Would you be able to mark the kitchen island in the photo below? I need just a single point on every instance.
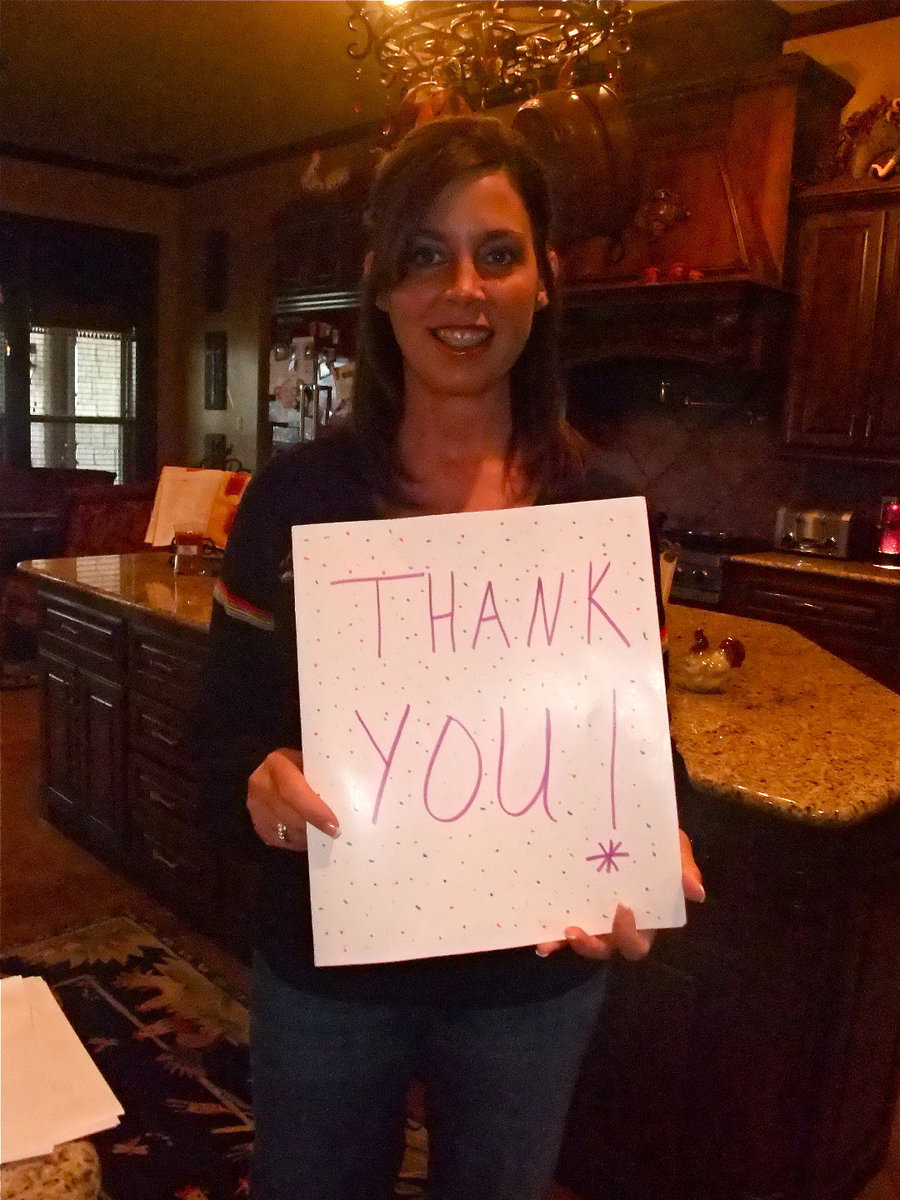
(754, 1055)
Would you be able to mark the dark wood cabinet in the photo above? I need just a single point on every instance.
(61, 757)
(84, 715)
(843, 393)
(754, 1054)
(853, 618)
(119, 688)
(172, 849)
(103, 751)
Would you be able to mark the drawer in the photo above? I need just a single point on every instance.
(858, 609)
(159, 732)
(175, 861)
(165, 667)
(92, 639)
(863, 615)
(154, 790)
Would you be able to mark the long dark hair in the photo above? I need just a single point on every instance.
(407, 184)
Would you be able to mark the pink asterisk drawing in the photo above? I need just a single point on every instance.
(606, 859)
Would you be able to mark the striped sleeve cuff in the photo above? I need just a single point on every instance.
(242, 610)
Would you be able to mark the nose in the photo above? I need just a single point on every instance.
(464, 283)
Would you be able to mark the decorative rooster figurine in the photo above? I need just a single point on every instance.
(706, 670)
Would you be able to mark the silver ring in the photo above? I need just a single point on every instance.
(281, 830)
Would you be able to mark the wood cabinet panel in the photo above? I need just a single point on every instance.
(884, 431)
(84, 765)
(103, 750)
(615, 1147)
(61, 754)
(839, 261)
(843, 393)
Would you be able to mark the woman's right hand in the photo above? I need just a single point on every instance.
(281, 802)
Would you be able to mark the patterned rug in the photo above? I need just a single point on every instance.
(14, 674)
(172, 1044)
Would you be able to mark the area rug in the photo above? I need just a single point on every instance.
(172, 1044)
(14, 674)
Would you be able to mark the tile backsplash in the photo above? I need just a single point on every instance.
(694, 449)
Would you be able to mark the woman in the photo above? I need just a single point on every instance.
(458, 407)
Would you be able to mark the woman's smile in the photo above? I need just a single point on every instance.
(463, 338)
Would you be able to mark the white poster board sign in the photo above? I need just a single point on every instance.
(484, 709)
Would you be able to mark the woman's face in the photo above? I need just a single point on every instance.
(462, 312)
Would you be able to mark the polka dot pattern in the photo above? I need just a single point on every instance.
(484, 708)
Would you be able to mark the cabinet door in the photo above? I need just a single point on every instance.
(883, 422)
(102, 736)
(62, 769)
(838, 281)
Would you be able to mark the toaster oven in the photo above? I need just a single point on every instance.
(824, 531)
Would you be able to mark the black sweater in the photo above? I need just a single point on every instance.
(250, 707)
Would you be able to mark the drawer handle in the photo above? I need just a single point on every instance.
(157, 734)
(73, 630)
(159, 798)
(166, 862)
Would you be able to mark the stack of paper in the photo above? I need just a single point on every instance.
(50, 1089)
(195, 499)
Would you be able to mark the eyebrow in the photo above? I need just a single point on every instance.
(489, 233)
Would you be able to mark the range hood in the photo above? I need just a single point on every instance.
(724, 323)
(698, 273)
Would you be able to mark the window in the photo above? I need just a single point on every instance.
(78, 324)
(81, 398)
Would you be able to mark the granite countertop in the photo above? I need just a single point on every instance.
(811, 564)
(798, 730)
(146, 582)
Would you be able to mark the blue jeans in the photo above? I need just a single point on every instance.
(330, 1080)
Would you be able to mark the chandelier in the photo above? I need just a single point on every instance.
(488, 53)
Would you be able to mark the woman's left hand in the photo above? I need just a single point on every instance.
(632, 943)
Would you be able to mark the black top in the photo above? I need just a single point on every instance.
(250, 707)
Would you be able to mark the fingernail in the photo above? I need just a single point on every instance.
(702, 894)
(541, 952)
(332, 829)
(571, 934)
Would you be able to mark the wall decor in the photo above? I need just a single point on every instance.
(215, 371)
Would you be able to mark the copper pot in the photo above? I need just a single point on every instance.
(586, 145)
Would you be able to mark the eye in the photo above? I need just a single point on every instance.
(502, 255)
(422, 254)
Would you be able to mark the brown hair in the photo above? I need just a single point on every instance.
(407, 184)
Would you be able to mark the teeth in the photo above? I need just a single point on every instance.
(462, 339)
